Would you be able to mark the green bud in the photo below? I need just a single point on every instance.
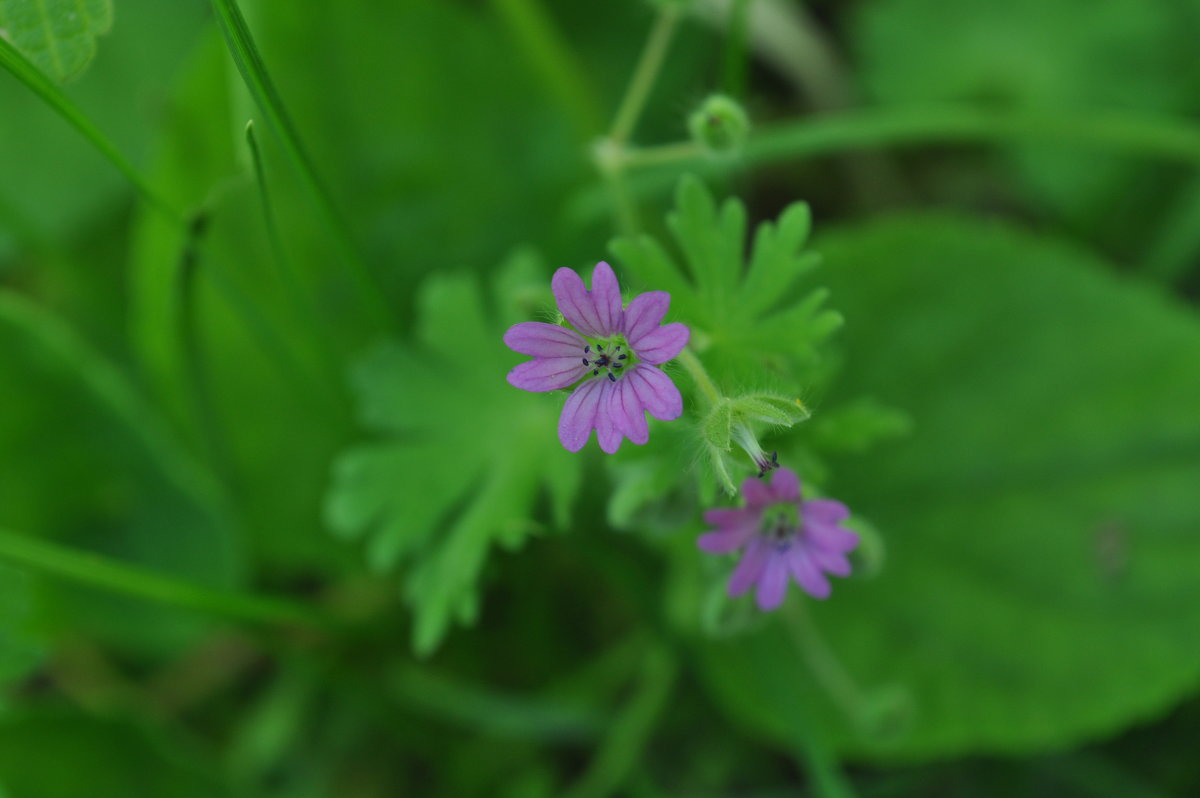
(719, 125)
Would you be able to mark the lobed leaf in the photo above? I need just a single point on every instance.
(58, 36)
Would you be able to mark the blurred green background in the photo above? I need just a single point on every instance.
(273, 524)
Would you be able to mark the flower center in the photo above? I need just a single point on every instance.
(608, 357)
(781, 523)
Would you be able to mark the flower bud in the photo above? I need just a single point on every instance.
(719, 125)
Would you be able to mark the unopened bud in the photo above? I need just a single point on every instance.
(719, 125)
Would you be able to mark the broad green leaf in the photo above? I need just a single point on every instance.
(68, 754)
(59, 36)
(1041, 521)
(464, 455)
(750, 319)
(1062, 57)
(19, 651)
(85, 461)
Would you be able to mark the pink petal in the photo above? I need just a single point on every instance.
(661, 345)
(750, 568)
(724, 540)
(579, 415)
(757, 494)
(655, 392)
(644, 314)
(545, 340)
(807, 573)
(828, 537)
(833, 562)
(773, 585)
(547, 374)
(785, 485)
(628, 413)
(608, 435)
(606, 296)
(575, 302)
(730, 517)
(825, 511)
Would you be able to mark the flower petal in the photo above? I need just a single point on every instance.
(724, 540)
(750, 568)
(773, 585)
(576, 303)
(825, 511)
(785, 485)
(807, 574)
(606, 297)
(644, 314)
(545, 340)
(828, 537)
(757, 494)
(628, 412)
(730, 517)
(579, 415)
(547, 374)
(655, 392)
(608, 434)
(833, 562)
(661, 345)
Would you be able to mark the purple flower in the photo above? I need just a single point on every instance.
(781, 535)
(616, 353)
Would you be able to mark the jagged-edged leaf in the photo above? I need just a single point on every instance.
(1041, 521)
(749, 317)
(463, 456)
(59, 36)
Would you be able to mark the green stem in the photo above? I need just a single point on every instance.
(825, 665)
(25, 72)
(626, 742)
(542, 43)
(254, 74)
(96, 571)
(661, 155)
(644, 75)
(695, 369)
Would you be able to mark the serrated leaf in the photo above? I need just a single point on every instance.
(466, 455)
(1041, 521)
(59, 36)
(745, 317)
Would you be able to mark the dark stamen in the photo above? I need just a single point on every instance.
(612, 377)
(621, 357)
(599, 347)
(585, 362)
(587, 349)
(617, 365)
(595, 372)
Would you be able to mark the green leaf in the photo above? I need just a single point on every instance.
(87, 463)
(466, 455)
(19, 650)
(1066, 57)
(777, 411)
(718, 424)
(1041, 521)
(58, 36)
(747, 319)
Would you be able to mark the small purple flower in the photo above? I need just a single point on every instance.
(781, 535)
(616, 352)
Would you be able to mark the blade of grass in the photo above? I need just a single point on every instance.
(37, 82)
(254, 74)
(95, 571)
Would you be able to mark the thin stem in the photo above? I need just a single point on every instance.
(661, 155)
(254, 74)
(644, 75)
(542, 43)
(626, 742)
(96, 571)
(695, 369)
(825, 665)
(25, 72)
